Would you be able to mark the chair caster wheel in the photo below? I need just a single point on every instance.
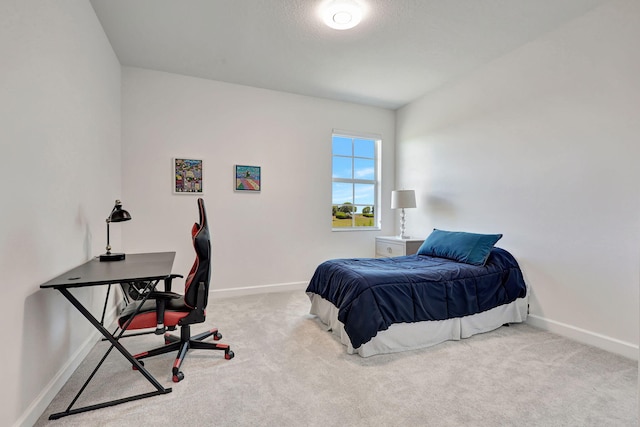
(229, 355)
(217, 336)
(134, 367)
(178, 377)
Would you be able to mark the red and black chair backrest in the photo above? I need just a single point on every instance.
(201, 269)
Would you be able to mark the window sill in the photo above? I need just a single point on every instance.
(341, 229)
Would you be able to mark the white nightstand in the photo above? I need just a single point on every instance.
(388, 246)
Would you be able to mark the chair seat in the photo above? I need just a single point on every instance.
(175, 309)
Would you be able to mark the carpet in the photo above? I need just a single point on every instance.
(289, 371)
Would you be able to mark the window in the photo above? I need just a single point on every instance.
(355, 187)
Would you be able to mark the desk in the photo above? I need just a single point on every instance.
(148, 267)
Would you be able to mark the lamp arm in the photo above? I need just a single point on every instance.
(108, 244)
(115, 208)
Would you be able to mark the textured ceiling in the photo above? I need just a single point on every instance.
(401, 50)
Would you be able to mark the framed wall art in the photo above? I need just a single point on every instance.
(187, 176)
(248, 178)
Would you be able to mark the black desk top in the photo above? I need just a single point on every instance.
(147, 266)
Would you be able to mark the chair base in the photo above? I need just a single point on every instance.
(183, 344)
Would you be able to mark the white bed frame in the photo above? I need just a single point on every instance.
(410, 336)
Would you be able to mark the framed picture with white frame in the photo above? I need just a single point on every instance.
(248, 178)
(187, 176)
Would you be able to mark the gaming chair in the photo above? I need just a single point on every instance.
(167, 309)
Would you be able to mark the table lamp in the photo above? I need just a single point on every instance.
(401, 199)
(117, 215)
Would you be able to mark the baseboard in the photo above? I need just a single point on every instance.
(39, 405)
(603, 342)
(33, 412)
(252, 290)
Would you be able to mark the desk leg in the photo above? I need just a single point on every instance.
(104, 308)
(114, 343)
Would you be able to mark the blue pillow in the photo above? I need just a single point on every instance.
(460, 246)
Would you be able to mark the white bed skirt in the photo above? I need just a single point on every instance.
(410, 336)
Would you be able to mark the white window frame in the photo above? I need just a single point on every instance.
(376, 180)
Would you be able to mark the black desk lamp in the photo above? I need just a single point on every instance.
(117, 215)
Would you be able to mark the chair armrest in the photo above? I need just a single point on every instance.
(163, 295)
(167, 281)
(161, 299)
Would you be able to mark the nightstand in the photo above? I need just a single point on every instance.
(389, 246)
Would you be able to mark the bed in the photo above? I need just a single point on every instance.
(456, 286)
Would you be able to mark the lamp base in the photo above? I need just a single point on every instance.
(112, 257)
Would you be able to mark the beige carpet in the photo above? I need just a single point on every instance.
(288, 371)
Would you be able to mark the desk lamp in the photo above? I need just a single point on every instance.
(401, 199)
(117, 215)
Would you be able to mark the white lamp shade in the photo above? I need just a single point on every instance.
(403, 199)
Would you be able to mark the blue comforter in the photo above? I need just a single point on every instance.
(371, 294)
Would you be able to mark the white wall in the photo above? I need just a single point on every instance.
(274, 237)
(552, 129)
(542, 145)
(60, 136)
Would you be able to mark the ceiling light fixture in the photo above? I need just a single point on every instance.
(342, 14)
